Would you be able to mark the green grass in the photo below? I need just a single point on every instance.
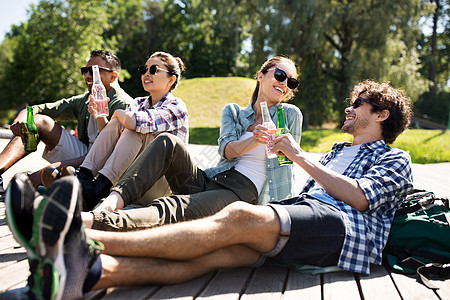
(206, 97)
(424, 146)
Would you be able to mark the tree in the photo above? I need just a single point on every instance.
(50, 49)
(336, 45)
(434, 51)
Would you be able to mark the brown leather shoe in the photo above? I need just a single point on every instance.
(49, 175)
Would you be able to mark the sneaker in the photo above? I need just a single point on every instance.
(21, 201)
(85, 175)
(94, 191)
(66, 254)
(49, 175)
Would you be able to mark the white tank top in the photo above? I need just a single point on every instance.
(253, 164)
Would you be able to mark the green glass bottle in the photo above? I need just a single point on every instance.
(281, 129)
(31, 133)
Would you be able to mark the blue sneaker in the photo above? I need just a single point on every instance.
(66, 255)
(21, 201)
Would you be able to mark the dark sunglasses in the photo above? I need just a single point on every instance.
(84, 70)
(153, 69)
(358, 101)
(281, 76)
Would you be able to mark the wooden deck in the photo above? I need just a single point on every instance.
(244, 283)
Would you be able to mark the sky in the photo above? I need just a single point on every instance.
(13, 12)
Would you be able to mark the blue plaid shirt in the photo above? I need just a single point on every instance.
(384, 175)
(170, 114)
(234, 123)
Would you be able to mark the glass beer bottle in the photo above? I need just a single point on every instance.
(99, 93)
(281, 129)
(31, 133)
(268, 123)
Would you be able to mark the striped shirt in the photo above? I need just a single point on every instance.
(170, 115)
(384, 175)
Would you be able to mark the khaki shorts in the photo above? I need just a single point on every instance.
(68, 147)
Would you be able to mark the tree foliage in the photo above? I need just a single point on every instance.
(335, 44)
(338, 43)
(50, 49)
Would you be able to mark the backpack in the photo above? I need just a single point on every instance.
(419, 240)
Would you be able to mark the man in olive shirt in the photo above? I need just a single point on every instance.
(63, 149)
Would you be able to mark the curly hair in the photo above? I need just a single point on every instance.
(266, 66)
(383, 96)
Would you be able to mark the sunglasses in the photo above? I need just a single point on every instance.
(358, 101)
(281, 76)
(153, 69)
(84, 70)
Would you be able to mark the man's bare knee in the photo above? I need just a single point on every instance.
(49, 131)
(236, 212)
(257, 226)
(44, 122)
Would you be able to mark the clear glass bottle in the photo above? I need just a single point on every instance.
(268, 123)
(99, 93)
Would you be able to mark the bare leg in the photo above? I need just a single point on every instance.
(49, 133)
(256, 227)
(122, 271)
(12, 153)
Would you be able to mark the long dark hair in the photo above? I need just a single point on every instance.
(174, 65)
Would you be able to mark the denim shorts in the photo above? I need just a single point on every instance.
(312, 233)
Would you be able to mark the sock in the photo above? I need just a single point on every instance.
(93, 276)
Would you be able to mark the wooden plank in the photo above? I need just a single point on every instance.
(7, 243)
(378, 285)
(4, 231)
(94, 295)
(302, 286)
(409, 288)
(340, 285)
(13, 275)
(11, 256)
(267, 283)
(131, 292)
(227, 284)
(19, 293)
(444, 288)
(183, 291)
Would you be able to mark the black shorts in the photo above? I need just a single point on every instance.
(312, 232)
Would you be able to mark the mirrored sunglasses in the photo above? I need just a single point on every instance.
(84, 70)
(357, 102)
(281, 76)
(153, 69)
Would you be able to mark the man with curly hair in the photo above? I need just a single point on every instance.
(341, 218)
